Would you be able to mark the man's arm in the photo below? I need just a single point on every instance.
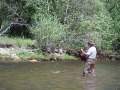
(83, 51)
(86, 53)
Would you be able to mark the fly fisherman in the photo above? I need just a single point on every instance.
(91, 59)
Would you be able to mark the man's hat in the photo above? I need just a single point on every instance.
(91, 42)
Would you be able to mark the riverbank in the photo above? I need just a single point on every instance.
(35, 57)
(32, 57)
(17, 49)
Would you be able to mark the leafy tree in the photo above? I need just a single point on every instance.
(66, 23)
(16, 11)
(83, 18)
(113, 7)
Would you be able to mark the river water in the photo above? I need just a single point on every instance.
(58, 76)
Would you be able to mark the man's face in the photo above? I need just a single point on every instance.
(89, 45)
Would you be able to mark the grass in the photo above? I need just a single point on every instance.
(18, 42)
(42, 56)
(4, 56)
(22, 43)
(31, 55)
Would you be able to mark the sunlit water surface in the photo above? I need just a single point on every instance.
(58, 76)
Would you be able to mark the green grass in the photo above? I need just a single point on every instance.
(42, 56)
(18, 42)
(31, 55)
(4, 56)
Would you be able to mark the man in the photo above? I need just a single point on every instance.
(91, 59)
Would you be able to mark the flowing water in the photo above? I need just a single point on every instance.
(58, 76)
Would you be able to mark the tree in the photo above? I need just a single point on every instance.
(82, 19)
(14, 11)
(113, 7)
(68, 22)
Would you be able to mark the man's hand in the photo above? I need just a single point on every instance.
(82, 50)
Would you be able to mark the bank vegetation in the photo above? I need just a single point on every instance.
(66, 24)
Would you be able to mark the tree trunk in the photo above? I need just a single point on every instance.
(0, 22)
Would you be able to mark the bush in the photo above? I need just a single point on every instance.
(49, 32)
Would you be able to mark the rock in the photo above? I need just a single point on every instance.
(15, 57)
(33, 60)
(4, 51)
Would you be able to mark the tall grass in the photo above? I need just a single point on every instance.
(19, 42)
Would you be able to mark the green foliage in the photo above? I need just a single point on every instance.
(16, 11)
(67, 23)
(49, 32)
(83, 18)
(113, 7)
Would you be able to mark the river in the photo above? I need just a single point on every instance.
(58, 76)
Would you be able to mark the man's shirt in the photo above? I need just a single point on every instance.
(91, 52)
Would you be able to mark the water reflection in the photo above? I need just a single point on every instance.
(90, 83)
